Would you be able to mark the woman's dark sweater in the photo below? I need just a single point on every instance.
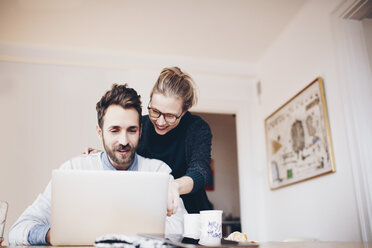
(187, 151)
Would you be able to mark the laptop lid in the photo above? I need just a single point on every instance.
(88, 204)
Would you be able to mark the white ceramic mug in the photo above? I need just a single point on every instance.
(211, 224)
(191, 226)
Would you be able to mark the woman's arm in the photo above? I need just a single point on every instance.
(198, 156)
(32, 226)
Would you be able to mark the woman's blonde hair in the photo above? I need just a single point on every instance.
(174, 82)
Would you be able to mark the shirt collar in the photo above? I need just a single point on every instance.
(108, 166)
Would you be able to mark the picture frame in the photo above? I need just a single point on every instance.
(298, 138)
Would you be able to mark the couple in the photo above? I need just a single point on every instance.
(169, 133)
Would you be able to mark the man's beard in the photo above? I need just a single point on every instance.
(123, 161)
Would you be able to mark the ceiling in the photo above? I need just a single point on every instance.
(239, 30)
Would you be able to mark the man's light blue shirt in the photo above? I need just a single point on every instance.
(37, 234)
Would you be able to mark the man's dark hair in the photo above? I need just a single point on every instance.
(119, 95)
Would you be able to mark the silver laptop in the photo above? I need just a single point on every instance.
(88, 204)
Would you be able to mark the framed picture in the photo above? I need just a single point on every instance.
(298, 138)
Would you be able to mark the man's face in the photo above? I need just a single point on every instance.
(120, 134)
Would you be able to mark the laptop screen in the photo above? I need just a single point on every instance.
(88, 204)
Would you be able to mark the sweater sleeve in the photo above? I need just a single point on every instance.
(32, 226)
(198, 153)
(37, 235)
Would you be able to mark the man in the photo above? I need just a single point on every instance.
(119, 128)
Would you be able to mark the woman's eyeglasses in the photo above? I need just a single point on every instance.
(170, 118)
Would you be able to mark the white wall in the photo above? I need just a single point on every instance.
(355, 83)
(196, 28)
(325, 207)
(367, 28)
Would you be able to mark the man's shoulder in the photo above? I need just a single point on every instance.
(84, 162)
(150, 164)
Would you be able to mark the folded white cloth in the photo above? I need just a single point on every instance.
(123, 241)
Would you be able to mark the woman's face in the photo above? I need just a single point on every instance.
(165, 105)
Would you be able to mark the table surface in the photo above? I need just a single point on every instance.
(315, 244)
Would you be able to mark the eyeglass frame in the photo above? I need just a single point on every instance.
(163, 114)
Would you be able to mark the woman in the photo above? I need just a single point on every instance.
(172, 134)
(182, 140)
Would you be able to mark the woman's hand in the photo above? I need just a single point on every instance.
(180, 186)
(90, 150)
(173, 197)
(185, 184)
